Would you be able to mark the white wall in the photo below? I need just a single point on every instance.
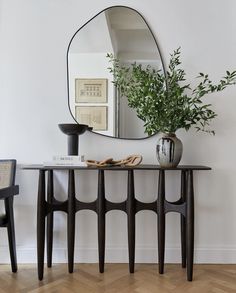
(34, 36)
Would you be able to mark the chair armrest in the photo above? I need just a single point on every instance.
(9, 191)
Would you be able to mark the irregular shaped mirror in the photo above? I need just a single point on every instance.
(93, 98)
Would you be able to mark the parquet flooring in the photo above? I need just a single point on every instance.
(87, 279)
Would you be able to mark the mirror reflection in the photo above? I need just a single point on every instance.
(93, 98)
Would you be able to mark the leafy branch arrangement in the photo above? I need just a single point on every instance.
(164, 102)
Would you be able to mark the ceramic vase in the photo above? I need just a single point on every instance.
(169, 150)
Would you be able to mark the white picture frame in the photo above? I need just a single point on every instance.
(90, 90)
(93, 116)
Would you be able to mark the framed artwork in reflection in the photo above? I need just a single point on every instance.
(90, 90)
(94, 116)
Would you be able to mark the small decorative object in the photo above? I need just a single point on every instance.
(90, 90)
(130, 161)
(165, 103)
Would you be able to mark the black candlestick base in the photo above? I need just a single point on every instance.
(73, 131)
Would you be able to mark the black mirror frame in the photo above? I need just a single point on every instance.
(67, 63)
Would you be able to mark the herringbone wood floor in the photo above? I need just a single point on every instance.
(86, 279)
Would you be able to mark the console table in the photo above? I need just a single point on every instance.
(47, 206)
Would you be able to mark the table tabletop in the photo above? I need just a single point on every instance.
(115, 168)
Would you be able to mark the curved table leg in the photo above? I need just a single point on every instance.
(183, 220)
(161, 220)
(41, 213)
(101, 219)
(71, 221)
(190, 224)
(131, 220)
(50, 219)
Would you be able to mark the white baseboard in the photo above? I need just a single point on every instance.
(226, 255)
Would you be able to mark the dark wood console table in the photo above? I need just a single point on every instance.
(184, 206)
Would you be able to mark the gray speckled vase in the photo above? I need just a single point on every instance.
(169, 150)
